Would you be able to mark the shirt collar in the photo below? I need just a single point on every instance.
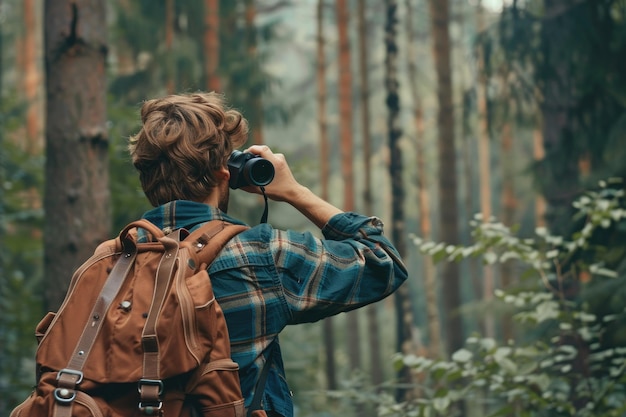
(185, 214)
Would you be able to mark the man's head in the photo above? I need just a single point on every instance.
(184, 144)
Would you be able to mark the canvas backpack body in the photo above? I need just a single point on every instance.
(139, 333)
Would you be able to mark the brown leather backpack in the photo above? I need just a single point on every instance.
(139, 333)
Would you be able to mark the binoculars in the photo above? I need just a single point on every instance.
(249, 169)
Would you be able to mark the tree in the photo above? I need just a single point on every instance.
(170, 22)
(439, 13)
(484, 159)
(31, 77)
(373, 331)
(402, 301)
(423, 183)
(347, 152)
(212, 44)
(328, 336)
(77, 187)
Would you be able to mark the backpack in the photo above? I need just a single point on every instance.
(139, 333)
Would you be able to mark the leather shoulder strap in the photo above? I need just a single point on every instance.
(209, 239)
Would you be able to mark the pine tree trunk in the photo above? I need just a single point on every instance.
(327, 329)
(212, 44)
(170, 21)
(77, 178)
(484, 163)
(423, 193)
(31, 79)
(439, 12)
(373, 333)
(509, 207)
(256, 92)
(538, 155)
(402, 301)
(345, 133)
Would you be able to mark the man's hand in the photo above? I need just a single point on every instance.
(284, 187)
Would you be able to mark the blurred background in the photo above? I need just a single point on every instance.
(488, 135)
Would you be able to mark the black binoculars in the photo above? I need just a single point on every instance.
(249, 169)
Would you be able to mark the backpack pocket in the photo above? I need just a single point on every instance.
(46, 406)
(44, 325)
(225, 402)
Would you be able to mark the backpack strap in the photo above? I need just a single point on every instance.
(71, 376)
(209, 239)
(151, 385)
(259, 388)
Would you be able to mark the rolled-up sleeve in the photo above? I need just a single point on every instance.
(354, 265)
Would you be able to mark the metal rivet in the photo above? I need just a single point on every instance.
(96, 316)
(81, 353)
(127, 255)
(199, 244)
(169, 255)
(64, 393)
(125, 305)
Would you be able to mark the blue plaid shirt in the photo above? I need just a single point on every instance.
(266, 279)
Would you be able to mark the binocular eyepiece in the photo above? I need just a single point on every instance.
(249, 169)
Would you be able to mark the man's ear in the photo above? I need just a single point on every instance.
(222, 174)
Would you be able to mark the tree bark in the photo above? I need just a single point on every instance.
(31, 79)
(170, 21)
(373, 333)
(328, 335)
(402, 301)
(345, 132)
(538, 155)
(77, 178)
(439, 12)
(484, 163)
(212, 44)
(256, 90)
(423, 193)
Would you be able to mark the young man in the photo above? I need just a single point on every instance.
(265, 278)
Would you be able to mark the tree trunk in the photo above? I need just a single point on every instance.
(31, 79)
(423, 194)
(328, 335)
(439, 12)
(345, 132)
(509, 207)
(77, 178)
(212, 44)
(484, 162)
(256, 90)
(538, 155)
(170, 21)
(402, 300)
(373, 334)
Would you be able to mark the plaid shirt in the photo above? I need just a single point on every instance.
(266, 279)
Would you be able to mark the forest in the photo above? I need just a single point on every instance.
(488, 135)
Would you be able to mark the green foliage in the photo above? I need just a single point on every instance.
(21, 266)
(565, 59)
(570, 357)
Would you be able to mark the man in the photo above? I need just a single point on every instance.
(264, 279)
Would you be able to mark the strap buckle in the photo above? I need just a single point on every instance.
(79, 374)
(150, 408)
(152, 382)
(64, 395)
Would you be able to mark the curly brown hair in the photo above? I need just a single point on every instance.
(184, 139)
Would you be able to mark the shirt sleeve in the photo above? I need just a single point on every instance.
(354, 265)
